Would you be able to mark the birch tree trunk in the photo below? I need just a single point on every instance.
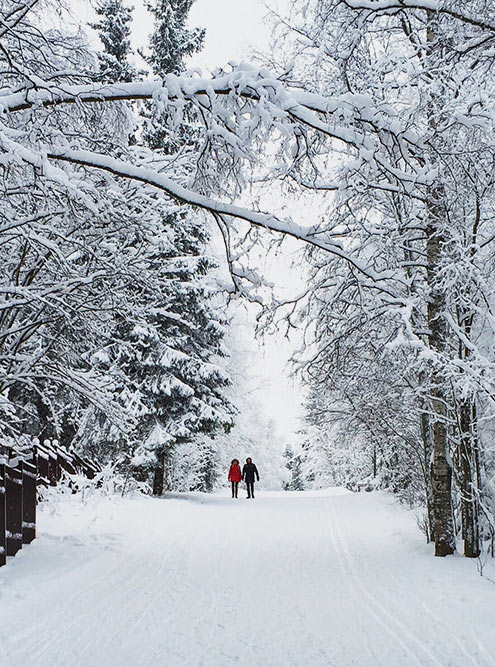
(441, 469)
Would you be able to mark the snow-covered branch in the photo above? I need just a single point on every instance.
(434, 6)
(312, 235)
(262, 88)
(15, 15)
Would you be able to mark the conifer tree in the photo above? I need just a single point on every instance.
(162, 354)
(171, 43)
(114, 31)
(177, 348)
(294, 466)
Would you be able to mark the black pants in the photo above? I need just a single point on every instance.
(250, 489)
(234, 489)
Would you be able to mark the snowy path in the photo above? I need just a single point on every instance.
(204, 581)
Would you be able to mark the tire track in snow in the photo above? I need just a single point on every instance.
(380, 613)
(269, 557)
(163, 593)
(288, 557)
(110, 597)
(246, 562)
(148, 578)
(29, 637)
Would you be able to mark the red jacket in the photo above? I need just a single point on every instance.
(235, 474)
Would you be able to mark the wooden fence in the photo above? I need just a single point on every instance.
(21, 473)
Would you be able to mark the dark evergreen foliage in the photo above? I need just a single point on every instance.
(294, 465)
(114, 32)
(171, 42)
(164, 345)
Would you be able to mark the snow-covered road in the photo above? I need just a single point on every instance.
(304, 579)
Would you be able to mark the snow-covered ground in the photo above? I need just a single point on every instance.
(195, 580)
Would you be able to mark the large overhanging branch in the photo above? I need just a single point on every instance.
(53, 95)
(251, 84)
(306, 109)
(297, 108)
(435, 6)
(312, 235)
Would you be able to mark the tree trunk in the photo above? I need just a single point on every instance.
(441, 470)
(468, 460)
(469, 473)
(159, 474)
(427, 452)
(441, 482)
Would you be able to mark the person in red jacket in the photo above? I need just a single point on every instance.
(235, 476)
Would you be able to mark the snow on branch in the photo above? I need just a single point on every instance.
(311, 235)
(234, 105)
(15, 16)
(394, 6)
(275, 103)
(53, 95)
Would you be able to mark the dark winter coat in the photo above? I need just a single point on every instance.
(249, 470)
(235, 474)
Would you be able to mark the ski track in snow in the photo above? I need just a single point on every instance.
(392, 626)
(322, 579)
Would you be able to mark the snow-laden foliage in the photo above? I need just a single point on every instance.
(172, 42)
(206, 464)
(114, 30)
(164, 353)
(407, 368)
(384, 111)
(110, 333)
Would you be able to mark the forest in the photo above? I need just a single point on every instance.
(138, 195)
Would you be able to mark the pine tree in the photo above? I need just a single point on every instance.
(177, 349)
(114, 32)
(170, 44)
(294, 466)
(197, 331)
(161, 354)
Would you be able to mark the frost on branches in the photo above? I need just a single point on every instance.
(408, 371)
(117, 341)
(383, 111)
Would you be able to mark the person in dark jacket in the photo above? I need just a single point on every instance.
(235, 476)
(249, 470)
